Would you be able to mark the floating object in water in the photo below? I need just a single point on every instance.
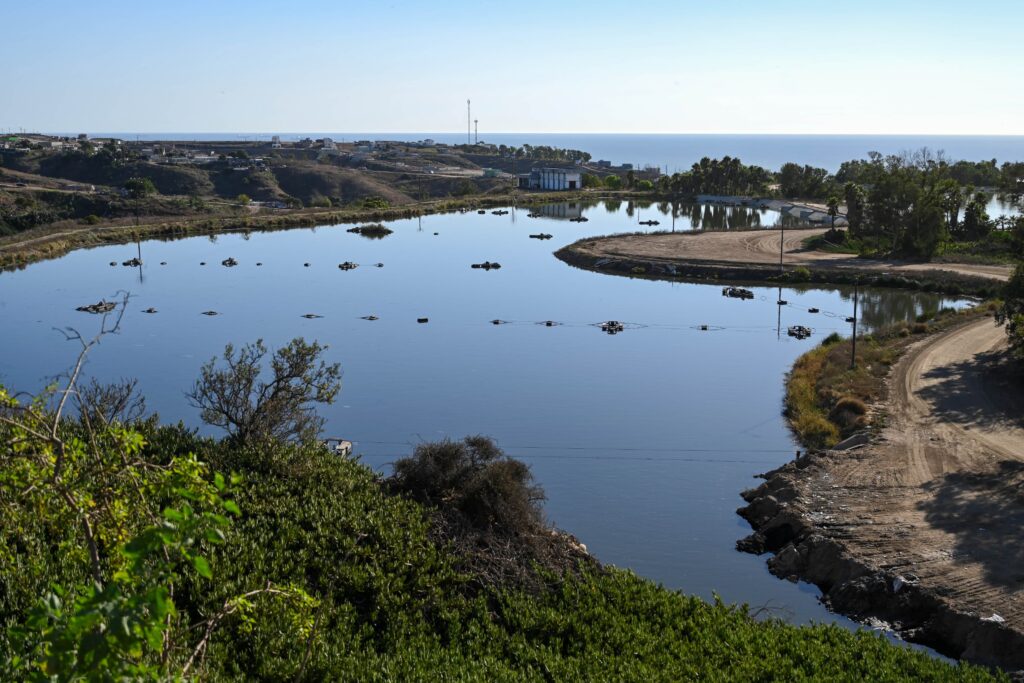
(851, 319)
(799, 331)
(311, 315)
(305, 265)
(486, 265)
(533, 215)
(113, 263)
(378, 265)
(132, 262)
(202, 263)
(348, 265)
(650, 222)
(541, 236)
(499, 212)
(737, 293)
(436, 234)
(498, 321)
(210, 313)
(579, 219)
(481, 211)
(230, 262)
(258, 263)
(703, 328)
(101, 306)
(370, 317)
(783, 302)
(612, 327)
(812, 310)
(422, 320)
(548, 323)
(163, 263)
(150, 310)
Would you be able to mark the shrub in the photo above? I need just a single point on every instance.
(475, 479)
(919, 328)
(800, 274)
(831, 339)
(92, 219)
(849, 414)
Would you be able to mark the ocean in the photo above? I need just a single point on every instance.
(673, 153)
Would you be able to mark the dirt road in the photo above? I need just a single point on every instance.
(939, 495)
(760, 247)
(935, 500)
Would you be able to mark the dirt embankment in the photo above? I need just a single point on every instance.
(920, 526)
(754, 255)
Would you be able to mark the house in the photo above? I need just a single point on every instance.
(552, 179)
(275, 142)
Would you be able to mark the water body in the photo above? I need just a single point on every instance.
(673, 153)
(642, 440)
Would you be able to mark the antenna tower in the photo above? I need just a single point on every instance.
(476, 132)
(469, 122)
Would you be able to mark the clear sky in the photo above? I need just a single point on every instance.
(726, 66)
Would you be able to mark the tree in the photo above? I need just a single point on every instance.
(591, 180)
(249, 409)
(833, 208)
(855, 200)
(243, 199)
(976, 221)
(1011, 314)
(613, 182)
(630, 179)
(137, 188)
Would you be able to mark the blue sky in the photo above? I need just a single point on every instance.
(626, 67)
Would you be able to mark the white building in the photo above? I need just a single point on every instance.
(553, 179)
(275, 142)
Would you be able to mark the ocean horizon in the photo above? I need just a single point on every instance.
(674, 152)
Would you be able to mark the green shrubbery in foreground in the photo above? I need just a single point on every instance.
(161, 555)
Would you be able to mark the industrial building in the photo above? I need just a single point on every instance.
(552, 179)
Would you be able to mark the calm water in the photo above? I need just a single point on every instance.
(674, 153)
(642, 440)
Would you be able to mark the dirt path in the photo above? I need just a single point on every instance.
(939, 495)
(935, 500)
(758, 247)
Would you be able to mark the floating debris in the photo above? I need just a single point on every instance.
(579, 219)
(499, 212)
(113, 263)
(799, 331)
(498, 321)
(163, 263)
(150, 310)
(230, 262)
(486, 265)
(783, 302)
(311, 316)
(436, 234)
(650, 222)
(851, 319)
(370, 317)
(348, 265)
(549, 323)
(378, 265)
(258, 263)
(305, 265)
(373, 231)
(101, 306)
(423, 320)
(737, 293)
(482, 211)
(703, 328)
(813, 310)
(541, 236)
(202, 263)
(612, 326)
(132, 263)
(533, 215)
(210, 313)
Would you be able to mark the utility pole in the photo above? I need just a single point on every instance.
(782, 242)
(853, 344)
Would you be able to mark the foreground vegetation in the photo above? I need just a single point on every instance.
(135, 550)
